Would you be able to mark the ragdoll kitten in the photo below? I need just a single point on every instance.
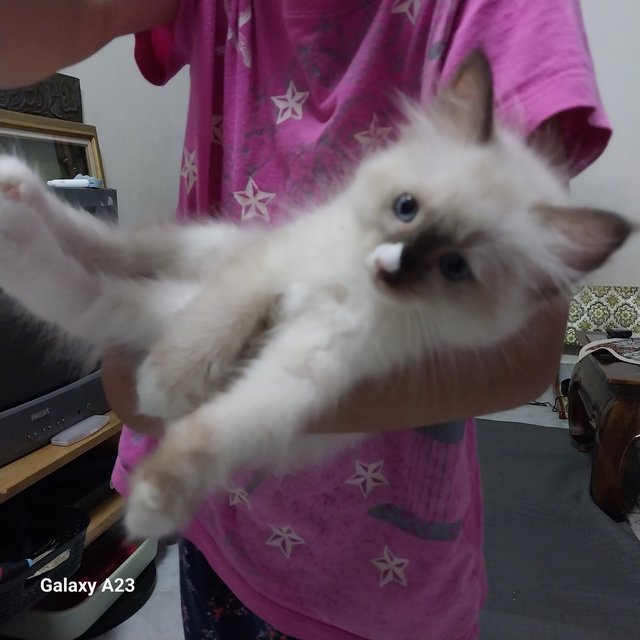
(451, 237)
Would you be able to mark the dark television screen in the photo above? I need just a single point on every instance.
(30, 364)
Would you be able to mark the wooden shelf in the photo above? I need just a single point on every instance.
(104, 516)
(26, 471)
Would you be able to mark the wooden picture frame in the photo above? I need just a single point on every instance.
(55, 148)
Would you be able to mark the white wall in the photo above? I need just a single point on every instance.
(140, 129)
(613, 27)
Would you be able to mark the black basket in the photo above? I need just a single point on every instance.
(65, 529)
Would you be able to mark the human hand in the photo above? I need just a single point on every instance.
(40, 37)
(119, 383)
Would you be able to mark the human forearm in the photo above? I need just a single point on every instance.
(38, 37)
(119, 380)
(458, 386)
(437, 391)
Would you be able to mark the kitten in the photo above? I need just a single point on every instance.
(451, 237)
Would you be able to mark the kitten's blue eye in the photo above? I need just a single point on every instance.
(406, 207)
(454, 267)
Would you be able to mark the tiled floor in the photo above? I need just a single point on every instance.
(544, 416)
(160, 618)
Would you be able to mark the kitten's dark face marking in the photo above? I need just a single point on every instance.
(417, 254)
(427, 254)
(454, 267)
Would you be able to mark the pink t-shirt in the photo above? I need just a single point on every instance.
(384, 542)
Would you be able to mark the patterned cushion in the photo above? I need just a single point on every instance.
(595, 308)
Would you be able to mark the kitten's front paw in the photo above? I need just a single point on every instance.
(170, 484)
(159, 504)
(145, 516)
(20, 184)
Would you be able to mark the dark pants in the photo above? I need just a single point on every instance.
(209, 610)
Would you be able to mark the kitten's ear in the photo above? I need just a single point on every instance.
(594, 234)
(467, 102)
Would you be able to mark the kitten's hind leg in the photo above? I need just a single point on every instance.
(20, 184)
(155, 250)
(99, 310)
(203, 349)
(302, 371)
(97, 245)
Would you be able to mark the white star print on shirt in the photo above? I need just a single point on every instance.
(285, 539)
(409, 7)
(253, 201)
(235, 35)
(367, 476)
(189, 169)
(238, 496)
(391, 568)
(290, 104)
(374, 137)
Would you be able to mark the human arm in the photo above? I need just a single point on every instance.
(460, 385)
(439, 390)
(39, 37)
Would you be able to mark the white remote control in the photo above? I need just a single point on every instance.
(79, 431)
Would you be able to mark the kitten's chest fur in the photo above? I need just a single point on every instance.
(314, 272)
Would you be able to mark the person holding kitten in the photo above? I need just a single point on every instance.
(386, 540)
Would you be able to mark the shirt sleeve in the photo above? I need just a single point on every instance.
(542, 68)
(161, 52)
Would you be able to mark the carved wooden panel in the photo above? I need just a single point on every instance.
(55, 97)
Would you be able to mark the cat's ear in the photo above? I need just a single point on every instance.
(593, 234)
(467, 102)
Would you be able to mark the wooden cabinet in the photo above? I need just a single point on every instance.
(604, 417)
(27, 471)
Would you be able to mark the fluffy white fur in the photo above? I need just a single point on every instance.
(249, 333)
